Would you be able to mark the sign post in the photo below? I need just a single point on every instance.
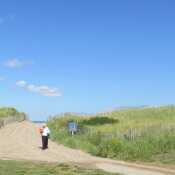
(72, 127)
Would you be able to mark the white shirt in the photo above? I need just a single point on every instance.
(46, 131)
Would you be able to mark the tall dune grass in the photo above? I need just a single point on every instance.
(10, 115)
(9, 112)
(134, 134)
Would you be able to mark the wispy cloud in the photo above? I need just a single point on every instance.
(43, 90)
(11, 16)
(15, 63)
(2, 78)
(7, 18)
(1, 20)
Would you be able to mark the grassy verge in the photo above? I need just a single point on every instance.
(10, 112)
(28, 168)
(146, 135)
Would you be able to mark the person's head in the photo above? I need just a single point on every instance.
(44, 125)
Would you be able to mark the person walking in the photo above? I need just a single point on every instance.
(45, 133)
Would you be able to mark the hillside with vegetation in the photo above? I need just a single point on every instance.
(9, 115)
(146, 134)
(10, 112)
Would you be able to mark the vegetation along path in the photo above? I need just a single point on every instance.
(21, 141)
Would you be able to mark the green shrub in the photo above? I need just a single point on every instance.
(10, 112)
(109, 148)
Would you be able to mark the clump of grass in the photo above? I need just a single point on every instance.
(133, 134)
(10, 112)
(29, 168)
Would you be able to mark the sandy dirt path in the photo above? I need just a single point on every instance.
(21, 141)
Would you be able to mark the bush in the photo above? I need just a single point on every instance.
(109, 148)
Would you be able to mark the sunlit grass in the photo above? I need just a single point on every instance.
(9, 112)
(29, 168)
(133, 134)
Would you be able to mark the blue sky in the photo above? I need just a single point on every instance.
(86, 56)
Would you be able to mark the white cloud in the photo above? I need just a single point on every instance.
(42, 89)
(15, 63)
(21, 83)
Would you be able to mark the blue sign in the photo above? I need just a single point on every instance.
(72, 126)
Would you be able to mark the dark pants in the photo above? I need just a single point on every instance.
(44, 142)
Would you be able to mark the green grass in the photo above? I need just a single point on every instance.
(28, 168)
(10, 112)
(146, 134)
